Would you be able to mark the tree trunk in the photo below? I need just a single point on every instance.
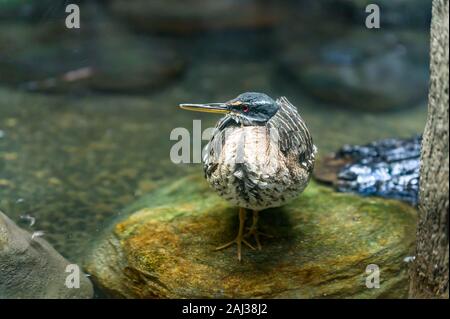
(429, 273)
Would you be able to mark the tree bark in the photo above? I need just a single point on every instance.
(429, 273)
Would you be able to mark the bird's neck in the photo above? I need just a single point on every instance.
(237, 120)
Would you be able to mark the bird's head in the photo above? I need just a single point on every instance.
(250, 108)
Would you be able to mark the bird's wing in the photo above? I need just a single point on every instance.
(211, 151)
(293, 134)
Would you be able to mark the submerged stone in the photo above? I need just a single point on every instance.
(387, 168)
(163, 247)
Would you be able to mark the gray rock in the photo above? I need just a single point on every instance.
(430, 271)
(31, 268)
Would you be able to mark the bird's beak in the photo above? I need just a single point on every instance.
(221, 108)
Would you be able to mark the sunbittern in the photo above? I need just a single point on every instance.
(260, 155)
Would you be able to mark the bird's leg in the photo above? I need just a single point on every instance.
(240, 236)
(253, 230)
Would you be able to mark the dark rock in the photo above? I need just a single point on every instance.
(183, 17)
(398, 13)
(32, 10)
(163, 247)
(387, 168)
(98, 56)
(328, 168)
(359, 68)
(215, 77)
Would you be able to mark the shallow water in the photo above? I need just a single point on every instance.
(74, 161)
(74, 164)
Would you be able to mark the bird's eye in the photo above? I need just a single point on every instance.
(245, 109)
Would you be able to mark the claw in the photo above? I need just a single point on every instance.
(248, 244)
(238, 241)
(253, 231)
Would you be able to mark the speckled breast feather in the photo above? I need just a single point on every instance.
(258, 167)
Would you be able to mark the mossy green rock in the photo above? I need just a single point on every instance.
(321, 245)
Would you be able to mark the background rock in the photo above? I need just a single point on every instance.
(183, 17)
(31, 268)
(322, 244)
(393, 13)
(359, 68)
(99, 56)
(32, 10)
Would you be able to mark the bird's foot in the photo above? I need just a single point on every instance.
(253, 231)
(238, 241)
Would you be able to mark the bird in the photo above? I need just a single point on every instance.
(260, 155)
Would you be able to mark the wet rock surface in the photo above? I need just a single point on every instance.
(359, 68)
(31, 268)
(387, 168)
(163, 247)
